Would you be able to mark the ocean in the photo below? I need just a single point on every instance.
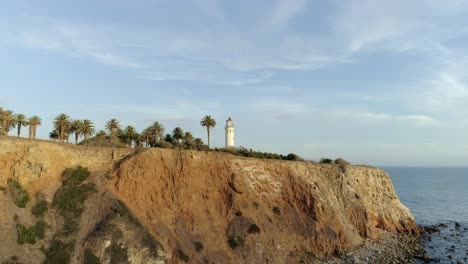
(437, 196)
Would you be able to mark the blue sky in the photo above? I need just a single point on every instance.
(373, 81)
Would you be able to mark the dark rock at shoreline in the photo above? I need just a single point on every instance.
(457, 225)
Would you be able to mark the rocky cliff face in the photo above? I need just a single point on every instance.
(158, 205)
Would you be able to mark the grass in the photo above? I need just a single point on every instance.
(3, 189)
(30, 235)
(58, 252)
(69, 199)
(39, 209)
(19, 194)
(235, 242)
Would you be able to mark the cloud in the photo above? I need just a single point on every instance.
(387, 118)
(283, 11)
(398, 25)
(77, 41)
(171, 52)
(279, 109)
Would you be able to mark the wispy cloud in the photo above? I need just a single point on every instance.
(279, 109)
(75, 41)
(369, 116)
(283, 11)
(398, 25)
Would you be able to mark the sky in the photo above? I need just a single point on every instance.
(373, 81)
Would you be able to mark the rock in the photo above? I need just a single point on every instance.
(457, 225)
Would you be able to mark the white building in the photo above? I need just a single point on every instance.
(230, 133)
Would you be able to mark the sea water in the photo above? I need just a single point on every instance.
(437, 196)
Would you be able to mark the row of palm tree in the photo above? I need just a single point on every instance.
(9, 120)
(64, 127)
(153, 135)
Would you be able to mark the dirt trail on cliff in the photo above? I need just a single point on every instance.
(206, 206)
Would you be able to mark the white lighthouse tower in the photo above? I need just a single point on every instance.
(229, 133)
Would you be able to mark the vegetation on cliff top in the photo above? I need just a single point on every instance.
(117, 136)
(152, 136)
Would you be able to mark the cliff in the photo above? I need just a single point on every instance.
(188, 206)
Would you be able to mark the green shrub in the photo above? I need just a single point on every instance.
(69, 199)
(20, 196)
(39, 208)
(69, 202)
(341, 161)
(32, 234)
(326, 161)
(253, 229)
(25, 235)
(258, 154)
(198, 246)
(293, 157)
(3, 189)
(90, 258)
(235, 242)
(58, 252)
(75, 176)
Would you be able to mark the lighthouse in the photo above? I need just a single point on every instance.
(229, 133)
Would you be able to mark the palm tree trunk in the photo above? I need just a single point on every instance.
(86, 136)
(30, 131)
(76, 138)
(62, 132)
(208, 129)
(34, 132)
(19, 130)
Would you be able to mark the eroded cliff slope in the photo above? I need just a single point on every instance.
(188, 206)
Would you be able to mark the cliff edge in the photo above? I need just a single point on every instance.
(198, 206)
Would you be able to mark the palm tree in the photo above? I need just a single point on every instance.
(178, 134)
(20, 122)
(34, 122)
(157, 130)
(145, 136)
(199, 145)
(129, 134)
(113, 126)
(63, 124)
(8, 121)
(87, 129)
(208, 122)
(54, 135)
(77, 128)
(188, 140)
(101, 134)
